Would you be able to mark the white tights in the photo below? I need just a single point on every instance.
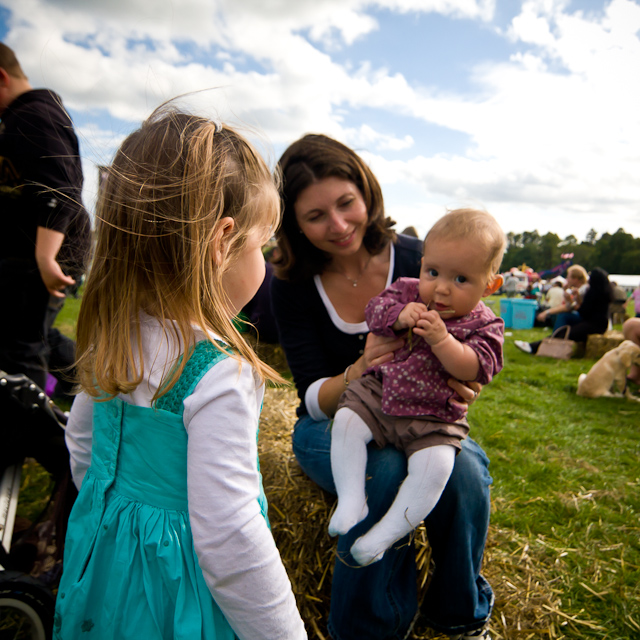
(428, 472)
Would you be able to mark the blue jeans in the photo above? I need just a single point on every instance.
(567, 318)
(379, 602)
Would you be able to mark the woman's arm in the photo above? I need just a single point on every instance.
(299, 335)
(236, 551)
(377, 350)
(561, 308)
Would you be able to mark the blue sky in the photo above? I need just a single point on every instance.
(529, 109)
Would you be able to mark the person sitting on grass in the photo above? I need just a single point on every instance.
(554, 297)
(574, 290)
(592, 315)
(407, 402)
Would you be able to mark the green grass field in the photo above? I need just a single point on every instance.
(566, 488)
(564, 544)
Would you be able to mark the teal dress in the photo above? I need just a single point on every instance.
(130, 569)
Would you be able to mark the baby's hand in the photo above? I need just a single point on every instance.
(409, 316)
(431, 328)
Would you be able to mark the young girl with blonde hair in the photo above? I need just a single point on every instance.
(169, 536)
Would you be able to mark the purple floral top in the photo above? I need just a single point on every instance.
(414, 383)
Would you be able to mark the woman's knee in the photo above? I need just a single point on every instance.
(311, 444)
(470, 479)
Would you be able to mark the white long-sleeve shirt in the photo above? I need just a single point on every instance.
(236, 551)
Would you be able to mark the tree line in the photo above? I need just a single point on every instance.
(615, 253)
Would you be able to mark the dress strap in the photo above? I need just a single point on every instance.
(204, 356)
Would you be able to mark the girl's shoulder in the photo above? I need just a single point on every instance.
(204, 356)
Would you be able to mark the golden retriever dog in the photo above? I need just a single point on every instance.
(609, 372)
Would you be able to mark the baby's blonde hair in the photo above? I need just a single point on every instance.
(473, 224)
(171, 181)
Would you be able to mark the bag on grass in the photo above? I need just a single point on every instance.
(560, 348)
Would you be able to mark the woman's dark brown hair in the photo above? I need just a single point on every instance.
(309, 160)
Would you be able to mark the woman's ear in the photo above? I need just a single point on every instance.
(493, 286)
(220, 241)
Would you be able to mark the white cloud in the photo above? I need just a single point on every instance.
(554, 128)
(481, 9)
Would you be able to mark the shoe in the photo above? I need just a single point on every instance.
(523, 346)
(476, 634)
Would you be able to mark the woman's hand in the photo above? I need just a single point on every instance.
(377, 350)
(542, 316)
(468, 391)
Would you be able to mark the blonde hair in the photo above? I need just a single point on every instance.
(170, 183)
(477, 225)
(578, 272)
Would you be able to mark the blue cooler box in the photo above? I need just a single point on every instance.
(524, 313)
(506, 312)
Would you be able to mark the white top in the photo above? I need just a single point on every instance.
(236, 551)
(555, 297)
(311, 399)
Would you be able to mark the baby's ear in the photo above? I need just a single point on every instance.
(493, 286)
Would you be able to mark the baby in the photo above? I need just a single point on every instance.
(407, 402)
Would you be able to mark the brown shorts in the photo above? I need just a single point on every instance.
(406, 433)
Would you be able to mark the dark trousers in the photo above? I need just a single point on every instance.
(28, 342)
(26, 317)
(23, 321)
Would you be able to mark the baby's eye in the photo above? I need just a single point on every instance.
(460, 279)
(433, 273)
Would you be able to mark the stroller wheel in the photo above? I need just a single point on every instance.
(26, 608)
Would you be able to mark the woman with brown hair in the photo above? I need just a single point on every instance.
(338, 251)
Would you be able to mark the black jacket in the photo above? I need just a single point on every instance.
(41, 180)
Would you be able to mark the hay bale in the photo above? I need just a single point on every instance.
(598, 345)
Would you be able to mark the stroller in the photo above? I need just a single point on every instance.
(32, 426)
